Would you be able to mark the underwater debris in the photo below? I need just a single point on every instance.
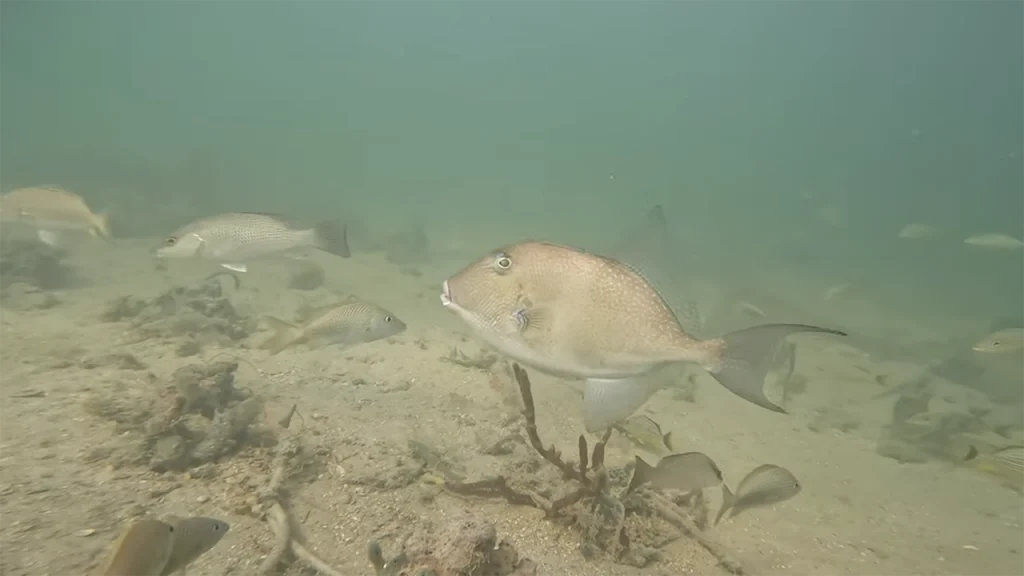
(465, 546)
(198, 418)
(287, 532)
(627, 527)
(200, 315)
(483, 361)
(39, 265)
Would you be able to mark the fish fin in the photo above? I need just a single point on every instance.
(641, 474)
(235, 267)
(607, 402)
(101, 226)
(531, 319)
(667, 439)
(48, 237)
(332, 237)
(728, 499)
(744, 359)
(285, 334)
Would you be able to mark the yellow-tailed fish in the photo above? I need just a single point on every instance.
(573, 314)
(1006, 464)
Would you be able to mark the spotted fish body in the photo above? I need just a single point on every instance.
(51, 209)
(347, 324)
(574, 314)
(235, 238)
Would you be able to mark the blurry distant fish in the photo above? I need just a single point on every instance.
(50, 209)
(143, 549)
(765, 485)
(574, 314)
(749, 309)
(995, 241)
(683, 472)
(837, 290)
(348, 324)
(648, 248)
(917, 231)
(193, 537)
(235, 238)
(1008, 340)
(646, 433)
(1006, 464)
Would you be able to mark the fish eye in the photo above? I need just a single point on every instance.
(387, 318)
(502, 263)
(171, 241)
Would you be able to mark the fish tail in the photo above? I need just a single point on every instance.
(728, 499)
(332, 237)
(101, 226)
(285, 334)
(641, 472)
(743, 358)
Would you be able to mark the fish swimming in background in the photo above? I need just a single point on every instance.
(1001, 341)
(647, 247)
(1006, 464)
(143, 549)
(917, 231)
(193, 537)
(683, 472)
(577, 315)
(348, 324)
(646, 433)
(995, 241)
(765, 485)
(50, 210)
(235, 238)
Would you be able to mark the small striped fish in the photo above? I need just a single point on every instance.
(1006, 464)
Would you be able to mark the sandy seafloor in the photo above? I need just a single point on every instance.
(858, 513)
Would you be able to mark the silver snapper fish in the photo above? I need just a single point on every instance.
(577, 315)
(349, 323)
(235, 238)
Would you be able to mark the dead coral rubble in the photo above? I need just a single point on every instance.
(34, 263)
(198, 315)
(627, 527)
(197, 418)
(466, 546)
